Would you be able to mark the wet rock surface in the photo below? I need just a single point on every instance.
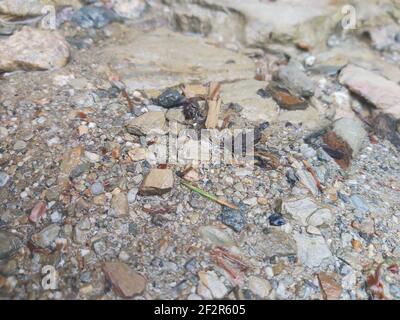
(84, 113)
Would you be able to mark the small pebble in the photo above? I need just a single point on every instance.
(276, 220)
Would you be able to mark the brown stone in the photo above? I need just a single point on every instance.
(126, 282)
(331, 290)
(338, 149)
(157, 182)
(70, 160)
(285, 99)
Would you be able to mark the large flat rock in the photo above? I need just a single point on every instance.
(381, 92)
(32, 7)
(33, 49)
(256, 22)
(163, 58)
(255, 108)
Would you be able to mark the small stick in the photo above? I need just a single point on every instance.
(311, 170)
(130, 103)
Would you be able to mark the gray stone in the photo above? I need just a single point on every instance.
(148, 123)
(384, 38)
(9, 244)
(82, 231)
(79, 170)
(258, 23)
(296, 79)
(312, 250)
(133, 229)
(56, 217)
(4, 177)
(307, 212)
(20, 145)
(130, 9)
(46, 236)
(100, 247)
(93, 17)
(216, 236)
(260, 287)
(210, 280)
(359, 203)
(278, 243)
(97, 188)
(3, 132)
(132, 194)
(191, 265)
(84, 224)
(175, 115)
(86, 277)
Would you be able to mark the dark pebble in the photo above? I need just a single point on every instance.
(291, 177)
(397, 37)
(191, 265)
(170, 98)
(276, 220)
(343, 197)
(292, 259)
(367, 237)
(159, 221)
(334, 153)
(259, 130)
(93, 17)
(79, 170)
(113, 92)
(234, 219)
(80, 43)
(247, 294)
(86, 277)
(263, 93)
(157, 262)
(133, 229)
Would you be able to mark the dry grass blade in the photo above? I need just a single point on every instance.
(128, 99)
(209, 196)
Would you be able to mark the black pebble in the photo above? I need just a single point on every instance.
(170, 98)
(263, 93)
(276, 220)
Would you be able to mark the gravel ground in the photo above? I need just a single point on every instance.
(316, 217)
